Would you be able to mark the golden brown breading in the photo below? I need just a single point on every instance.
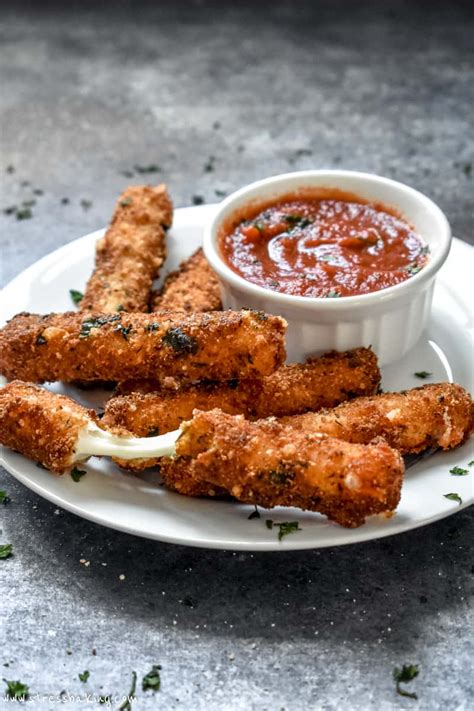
(72, 346)
(41, 425)
(193, 287)
(270, 464)
(292, 389)
(131, 253)
(439, 415)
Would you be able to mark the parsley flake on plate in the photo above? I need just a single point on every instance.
(152, 680)
(77, 474)
(6, 551)
(453, 497)
(407, 673)
(127, 704)
(458, 471)
(16, 690)
(4, 498)
(255, 514)
(84, 676)
(76, 296)
(423, 374)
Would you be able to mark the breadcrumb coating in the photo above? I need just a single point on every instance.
(270, 464)
(193, 288)
(41, 425)
(435, 415)
(73, 346)
(292, 389)
(129, 256)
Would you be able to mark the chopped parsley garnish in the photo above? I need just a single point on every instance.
(84, 676)
(467, 169)
(4, 498)
(40, 340)
(126, 202)
(120, 308)
(65, 201)
(286, 528)
(95, 322)
(333, 294)
(403, 676)
(152, 680)
(180, 342)
(77, 474)
(220, 193)
(6, 551)
(151, 168)
(127, 704)
(23, 213)
(275, 284)
(423, 374)
(255, 514)
(38, 191)
(453, 497)
(458, 471)
(124, 330)
(152, 327)
(16, 690)
(471, 463)
(86, 204)
(283, 474)
(297, 220)
(76, 296)
(197, 199)
(413, 269)
(209, 166)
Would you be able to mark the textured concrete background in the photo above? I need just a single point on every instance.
(249, 89)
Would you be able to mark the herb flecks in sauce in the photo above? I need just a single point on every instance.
(320, 247)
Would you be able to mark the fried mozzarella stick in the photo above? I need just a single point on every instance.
(292, 389)
(439, 415)
(192, 288)
(58, 433)
(270, 464)
(131, 253)
(72, 346)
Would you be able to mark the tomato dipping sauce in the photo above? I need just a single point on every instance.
(327, 244)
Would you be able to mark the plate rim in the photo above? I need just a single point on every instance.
(263, 546)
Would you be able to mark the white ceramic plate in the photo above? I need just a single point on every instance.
(141, 506)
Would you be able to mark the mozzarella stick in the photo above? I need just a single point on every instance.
(58, 433)
(72, 346)
(292, 389)
(270, 464)
(439, 415)
(131, 253)
(192, 288)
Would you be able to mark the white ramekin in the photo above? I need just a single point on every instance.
(390, 320)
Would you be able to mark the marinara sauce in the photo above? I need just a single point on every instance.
(330, 245)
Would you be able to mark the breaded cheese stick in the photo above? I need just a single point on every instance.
(58, 432)
(42, 425)
(438, 415)
(131, 253)
(270, 464)
(72, 346)
(193, 287)
(321, 382)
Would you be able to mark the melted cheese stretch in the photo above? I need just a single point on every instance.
(92, 441)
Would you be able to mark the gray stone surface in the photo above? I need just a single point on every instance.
(89, 91)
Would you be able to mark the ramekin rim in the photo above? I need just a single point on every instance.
(212, 253)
